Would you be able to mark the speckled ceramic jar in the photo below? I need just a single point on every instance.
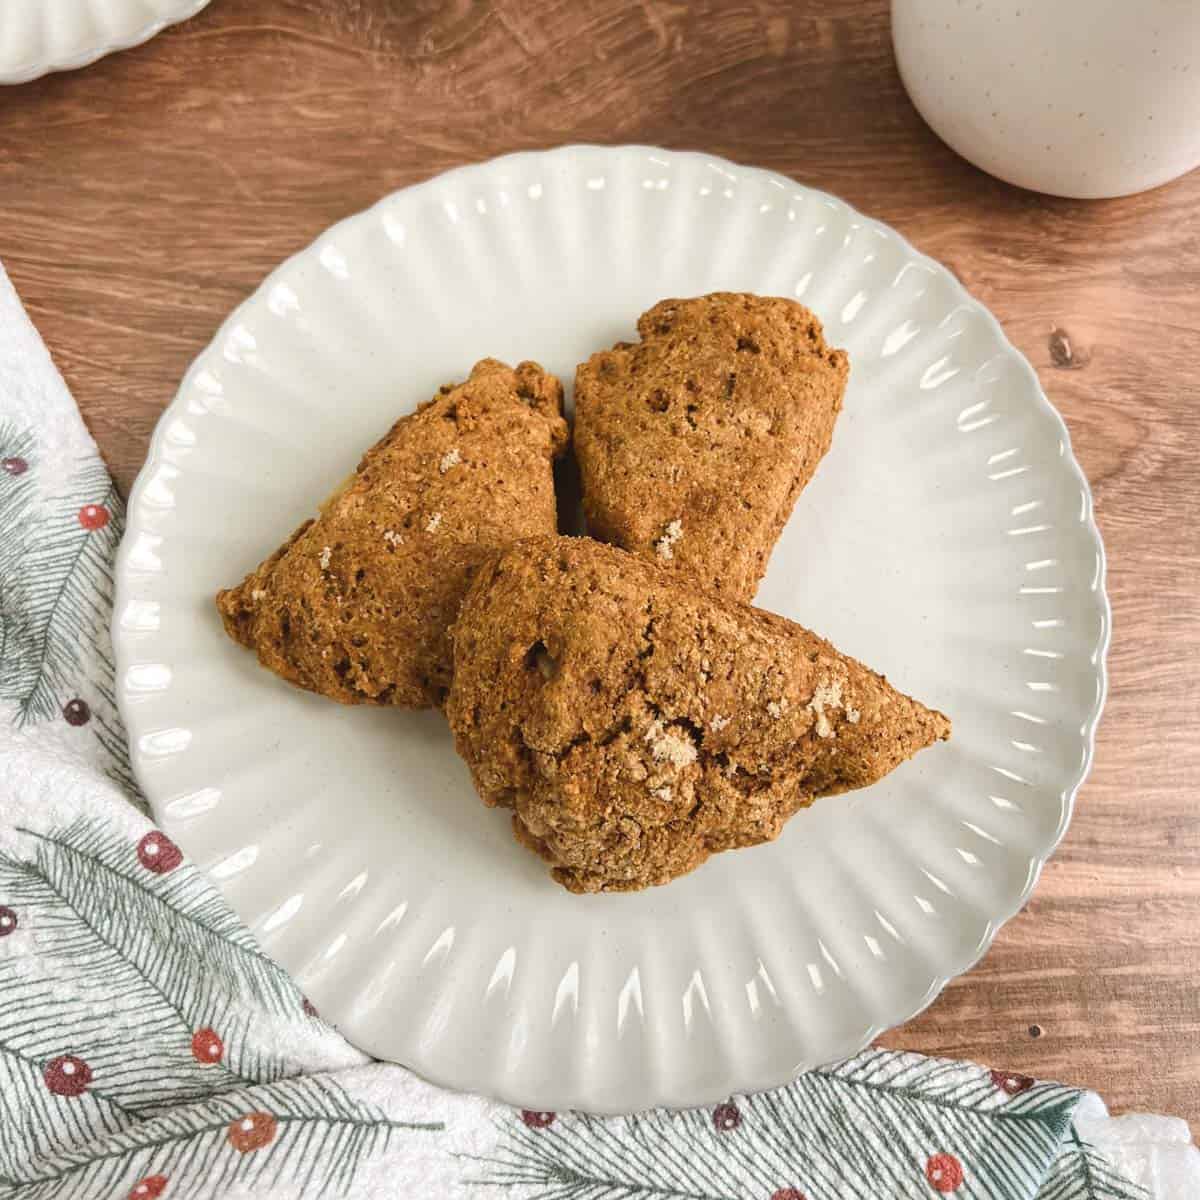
(1085, 98)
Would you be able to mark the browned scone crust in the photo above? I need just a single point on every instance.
(694, 443)
(636, 726)
(357, 604)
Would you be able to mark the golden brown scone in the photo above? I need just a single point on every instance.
(694, 443)
(636, 726)
(357, 604)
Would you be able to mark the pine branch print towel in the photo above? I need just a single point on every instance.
(148, 1047)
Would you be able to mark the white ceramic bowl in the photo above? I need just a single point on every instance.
(947, 540)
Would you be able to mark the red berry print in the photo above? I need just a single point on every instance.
(8, 921)
(93, 517)
(944, 1172)
(67, 1075)
(207, 1047)
(726, 1117)
(149, 1188)
(788, 1194)
(1011, 1082)
(76, 712)
(310, 1009)
(13, 466)
(252, 1132)
(156, 852)
(537, 1120)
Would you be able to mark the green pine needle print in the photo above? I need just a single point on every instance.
(144, 978)
(107, 727)
(56, 589)
(1081, 1172)
(33, 1120)
(881, 1124)
(18, 449)
(58, 596)
(174, 927)
(307, 1133)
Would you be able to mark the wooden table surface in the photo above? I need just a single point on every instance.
(144, 197)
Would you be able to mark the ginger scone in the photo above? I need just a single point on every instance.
(635, 726)
(357, 604)
(694, 443)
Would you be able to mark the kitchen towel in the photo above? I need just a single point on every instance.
(149, 1048)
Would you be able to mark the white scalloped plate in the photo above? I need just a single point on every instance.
(947, 540)
(39, 36)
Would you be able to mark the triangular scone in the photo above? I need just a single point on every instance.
(636, 726)
(357, 605)
(694, 443)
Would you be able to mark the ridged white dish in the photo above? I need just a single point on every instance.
(946, 540)
(39, 36)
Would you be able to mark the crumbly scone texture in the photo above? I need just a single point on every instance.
(694, 443)
(636, 726)
(358, 603)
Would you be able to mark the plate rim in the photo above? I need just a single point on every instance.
(660, 1092)
(28, 70)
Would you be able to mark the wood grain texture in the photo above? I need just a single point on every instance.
(141, 199)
